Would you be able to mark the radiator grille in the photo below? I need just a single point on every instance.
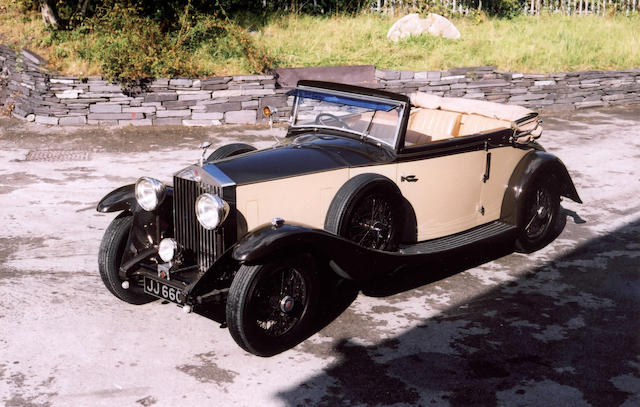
(205, 245)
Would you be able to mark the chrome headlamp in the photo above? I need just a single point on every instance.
(211, 210)
(149, 193)
(167, 249)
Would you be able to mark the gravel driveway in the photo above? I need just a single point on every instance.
(558, 327)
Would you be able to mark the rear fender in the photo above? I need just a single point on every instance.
(533, 165)
(347, 259)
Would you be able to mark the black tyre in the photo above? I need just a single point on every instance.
(112, 248)
(271, 307)
(229, 150)
(366, 210)
(540, 215)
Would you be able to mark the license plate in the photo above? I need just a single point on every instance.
(161, 290)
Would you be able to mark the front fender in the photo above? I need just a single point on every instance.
(346, 258)
(120, 199)
(147, 228)
(532, 165)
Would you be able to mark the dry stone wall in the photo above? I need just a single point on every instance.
(31, 93)
(556, 91)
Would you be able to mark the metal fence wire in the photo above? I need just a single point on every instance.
(530, 7)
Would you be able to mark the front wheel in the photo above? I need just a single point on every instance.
(271, 307)
(112, 247)
(539, 217)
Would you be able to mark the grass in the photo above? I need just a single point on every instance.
(122, 44)
(523, 44)
(26, 30)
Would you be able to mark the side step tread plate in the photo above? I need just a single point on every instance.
(458, 240)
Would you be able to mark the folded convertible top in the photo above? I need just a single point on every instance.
(521, 118)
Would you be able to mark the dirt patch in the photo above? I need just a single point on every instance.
(147, 401)
(207, 371)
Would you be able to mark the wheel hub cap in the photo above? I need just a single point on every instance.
(541, 212)
(287, 303)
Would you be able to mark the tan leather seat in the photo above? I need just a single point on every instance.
(426, 125)
(474, 124)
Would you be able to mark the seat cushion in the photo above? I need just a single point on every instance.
(474, 124)
(434, 124)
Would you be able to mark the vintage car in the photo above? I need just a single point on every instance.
(366, 182)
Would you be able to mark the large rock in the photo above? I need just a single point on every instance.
(412, 24)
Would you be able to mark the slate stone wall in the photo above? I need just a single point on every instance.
(31, 93)
(555, 91)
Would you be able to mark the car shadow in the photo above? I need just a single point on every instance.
(340, 293)
(565, 333)
(445, 266)
(409, 278)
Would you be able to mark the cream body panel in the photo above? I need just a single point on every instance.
(503, 162)
(446, 196)
(387, 170)
(304, 199)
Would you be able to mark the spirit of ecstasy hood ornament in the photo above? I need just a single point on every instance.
(204, 146)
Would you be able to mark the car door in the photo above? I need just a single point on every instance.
(444, 189)
(500, 163)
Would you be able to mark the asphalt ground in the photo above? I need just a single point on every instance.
(557, 327)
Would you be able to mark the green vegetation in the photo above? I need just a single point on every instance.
(521, 44)
(128, 40)
(121, 42)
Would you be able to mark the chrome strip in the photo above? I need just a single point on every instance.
(217, 177)
(209, 174)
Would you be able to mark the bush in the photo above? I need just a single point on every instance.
(128, 45)
(504, 8)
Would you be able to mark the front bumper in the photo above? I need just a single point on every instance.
(194, 287)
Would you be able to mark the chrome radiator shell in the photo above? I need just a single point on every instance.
(205, 246)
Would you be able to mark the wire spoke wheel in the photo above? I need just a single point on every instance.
(271, 306)
(539, 213)
(539, 216)
(367, 210)
(371, 224)
(278, 301)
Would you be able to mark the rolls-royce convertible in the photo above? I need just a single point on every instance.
(365, 183)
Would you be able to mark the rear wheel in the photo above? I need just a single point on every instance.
(271, 307)
(539, 217)
(112, 247)
(365, 211)
(229, 151)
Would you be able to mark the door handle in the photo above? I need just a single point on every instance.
(408, 178)
(487, 168)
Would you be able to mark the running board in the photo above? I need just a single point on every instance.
(491, 230)
(350, 260)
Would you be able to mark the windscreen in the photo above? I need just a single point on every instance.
(366, 117)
